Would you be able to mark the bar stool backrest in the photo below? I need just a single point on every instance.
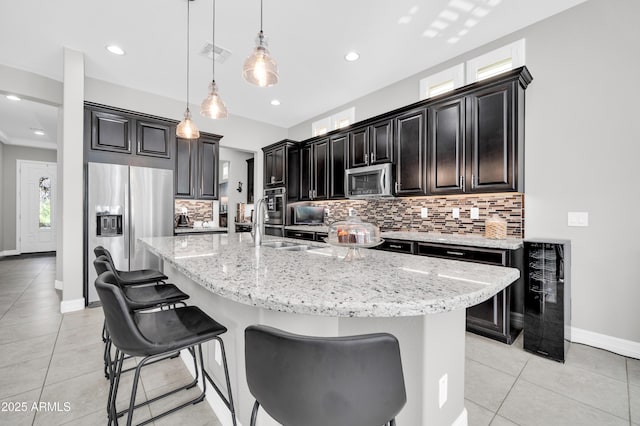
(318, 381)
(101, 263)
(101, 251)
(122, 328)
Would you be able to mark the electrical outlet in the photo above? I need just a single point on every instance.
(475, 213)
(455, 212)
(442, 393)
(578, 219)
(424, 212)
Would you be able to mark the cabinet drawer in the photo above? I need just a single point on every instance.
(469, 254)
(320, 236)
(399, 246)
(303, 235)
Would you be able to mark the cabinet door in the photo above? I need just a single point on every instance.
(293, 174)
(320, 170)
(490, 139)
(337, 155)
(278, 166)
(410, 158)
(381, 142)
(359, 148)
(208, 168)
(185, 169)
(306, 171)
(154, 139)
(446, 147)
(110, 132)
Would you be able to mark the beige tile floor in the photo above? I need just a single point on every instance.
(46, 357)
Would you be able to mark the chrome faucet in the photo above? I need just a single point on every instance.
(257, 230)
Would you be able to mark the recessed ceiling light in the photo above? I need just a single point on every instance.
(430, 33)
(352, 56)
(116, 50)
(275, 102)
(13, 98)
(404, 20)
(439, 24)
(38, 132)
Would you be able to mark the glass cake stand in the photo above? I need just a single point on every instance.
(353, 249)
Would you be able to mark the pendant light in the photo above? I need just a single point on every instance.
(260, 68)
(187, 129)
(212, 106)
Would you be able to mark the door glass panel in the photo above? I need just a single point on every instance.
(44, 184)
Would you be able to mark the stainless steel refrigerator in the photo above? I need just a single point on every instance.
(126, 203)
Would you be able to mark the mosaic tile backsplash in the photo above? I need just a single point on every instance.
(196, 210)
(404, 213)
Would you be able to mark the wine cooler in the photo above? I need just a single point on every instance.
(547, 308)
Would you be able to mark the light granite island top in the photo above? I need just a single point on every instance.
(420, 300)
(319, 282)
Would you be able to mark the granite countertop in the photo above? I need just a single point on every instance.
(461, 240)
(201, 229)
(319, 282)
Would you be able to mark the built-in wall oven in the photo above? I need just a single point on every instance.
(275, 200)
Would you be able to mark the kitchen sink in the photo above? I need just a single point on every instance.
(287, 245)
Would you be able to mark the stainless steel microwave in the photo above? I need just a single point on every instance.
(371, 181)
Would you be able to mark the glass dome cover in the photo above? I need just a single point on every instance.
(354, 232)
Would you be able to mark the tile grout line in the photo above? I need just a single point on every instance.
(507, 395)
(21, 294)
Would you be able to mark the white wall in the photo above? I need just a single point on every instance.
(581, 151)
(2, 201)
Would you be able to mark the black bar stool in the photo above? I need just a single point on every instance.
(142, 276)
(138, 297)
(320, 381)
(154, 335)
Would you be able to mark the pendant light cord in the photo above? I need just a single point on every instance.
(213, 42)
(260, 15)
(188, 16)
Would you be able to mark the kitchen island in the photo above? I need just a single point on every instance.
(420, 300)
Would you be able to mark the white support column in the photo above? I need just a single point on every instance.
(72, 176)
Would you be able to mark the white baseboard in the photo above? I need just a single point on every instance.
(609, 343)
(9, 253)
(213, 399)
(71, 305)
(58, 285)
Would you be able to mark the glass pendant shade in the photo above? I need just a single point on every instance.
(212, 106)
(260, 68)
(187, 129)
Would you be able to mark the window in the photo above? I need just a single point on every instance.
(442, 82)
(336, 121)
(45, 202)
(495, 62)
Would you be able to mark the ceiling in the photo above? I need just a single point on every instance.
(307, 39)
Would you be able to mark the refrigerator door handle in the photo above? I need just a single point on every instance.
(127, 221)
(131, 246)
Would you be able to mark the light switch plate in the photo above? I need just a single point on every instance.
(475, 213)
(455, 212)
(424, 212)
(578, 219)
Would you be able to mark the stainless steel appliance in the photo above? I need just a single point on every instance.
(308, 215)
(371, 181)
(275, 200)
(126, 203)
(547, 308)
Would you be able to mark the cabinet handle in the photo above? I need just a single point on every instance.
(462, 183)
(473, 179)
(309, 194)
(395, 246)
(373, 157)
(455, 253)
(364, 158)
(397, 187)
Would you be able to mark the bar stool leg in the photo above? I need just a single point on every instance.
(226, 376)
(254, 413)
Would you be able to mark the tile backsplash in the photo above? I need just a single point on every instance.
(405, 213)
(197, 210)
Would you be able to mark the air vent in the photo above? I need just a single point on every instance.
(221, 54)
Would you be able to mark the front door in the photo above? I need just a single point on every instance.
(36, 208)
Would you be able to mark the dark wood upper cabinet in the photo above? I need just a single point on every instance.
(320, 170)
(208, 167)
(371, 144)
(274, 166)
(337, 162)
(293, 173)
(196, 169)
(446, 146)
(306, 172)
(154, 139)
(491, 138)
(410, 156)
(110, 131)
(184, 173)
(359, 147)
